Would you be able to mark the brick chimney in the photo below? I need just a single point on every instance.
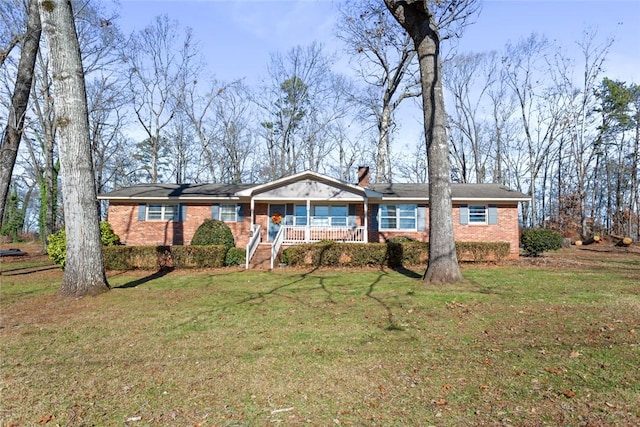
(363, 176)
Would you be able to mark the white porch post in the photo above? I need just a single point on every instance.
(307, 229)
(366, 220)
(253, 213)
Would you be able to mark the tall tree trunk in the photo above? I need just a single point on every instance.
(419, 22)
(19, 100)
(383, 158)
(84, 268)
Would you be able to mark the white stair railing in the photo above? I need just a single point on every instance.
(254, 241)
(275, 246)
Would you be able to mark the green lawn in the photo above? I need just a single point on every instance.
(515, 344)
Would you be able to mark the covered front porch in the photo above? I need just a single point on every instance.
(305, 221)
(307, 208)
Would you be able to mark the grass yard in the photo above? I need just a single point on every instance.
(551, 342)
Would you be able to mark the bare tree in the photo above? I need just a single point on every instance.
(157, 59)
(468, 78)
(385, 60)
(584, 146)
(107, 119)
(423, 20)
(12, 19)
(540, 107)
(84, 267)
(301, 102)
(16, 115)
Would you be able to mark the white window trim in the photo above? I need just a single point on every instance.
(397, 217)
(486, 215)
(235, 212)
(163, 212)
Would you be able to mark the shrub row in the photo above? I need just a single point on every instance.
(393, 253)
(158, 257)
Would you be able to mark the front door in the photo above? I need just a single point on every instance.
(273, 226)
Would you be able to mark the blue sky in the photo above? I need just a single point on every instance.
(237, 37)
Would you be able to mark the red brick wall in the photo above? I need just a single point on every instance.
(507, 230)
(383, 236)
(123, 218)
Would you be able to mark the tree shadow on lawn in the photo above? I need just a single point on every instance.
(141, 281)
(408, 273)
(262, 297)
(392, 324)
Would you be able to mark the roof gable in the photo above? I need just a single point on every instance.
(308, 185)
(309, 189)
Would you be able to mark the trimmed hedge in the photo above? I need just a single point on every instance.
(482, 251)
(394, 253)
(198, 256)
(327, 253)
(159, 257)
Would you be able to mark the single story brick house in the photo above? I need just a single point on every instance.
(308, 207)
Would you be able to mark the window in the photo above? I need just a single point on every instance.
(300, 215)
(162, 212)
(397, 217)
(329, 215)
(477, 214)
(228, 213)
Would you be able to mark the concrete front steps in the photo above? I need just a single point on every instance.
(261, 259)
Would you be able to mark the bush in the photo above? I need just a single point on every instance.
(163, 257)
(198, 256)
(394, 253)
(57, 243)
(539, 240)
(235, 256)
(213, 232)
(107, 236)
(57, 248)
(134, 257)
(482, 251)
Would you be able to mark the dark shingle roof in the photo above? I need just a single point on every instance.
(162, 191)
(389, 191)
(458, 191)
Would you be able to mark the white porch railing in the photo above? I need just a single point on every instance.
(276, 244)
(305, 234)
(254, 241)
